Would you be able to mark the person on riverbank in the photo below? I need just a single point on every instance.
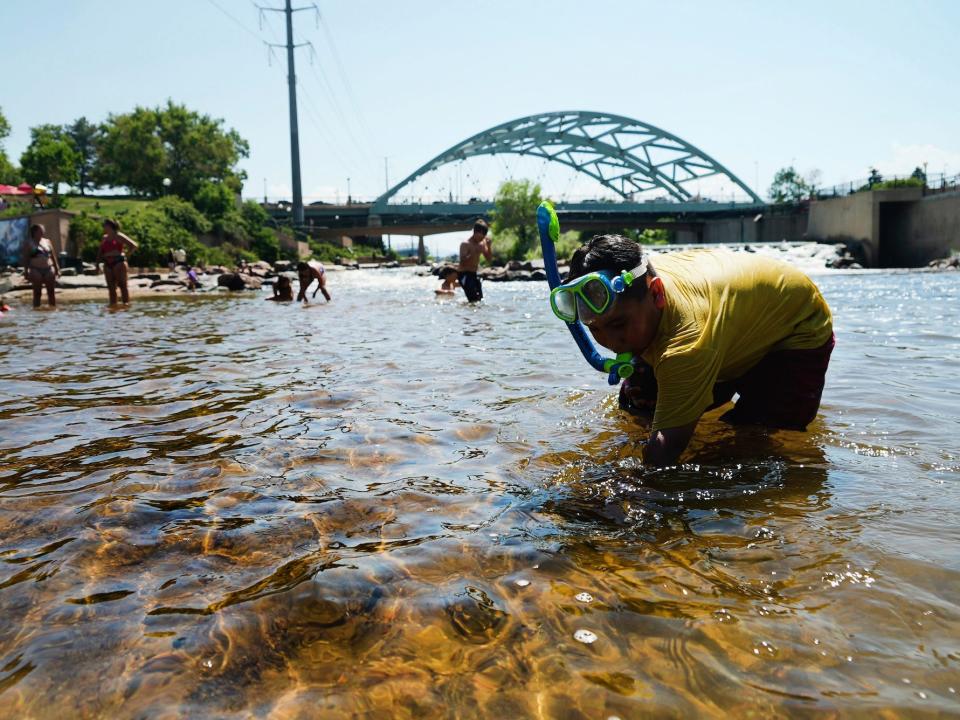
(40, 266)
(282, 290)
(470, 251)
(706, 324)
(308, 272)
(193, 280)
(451, 280)
(111, 254)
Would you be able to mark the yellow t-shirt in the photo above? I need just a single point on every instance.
(724, 312)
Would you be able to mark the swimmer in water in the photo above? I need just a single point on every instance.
(450, 278)
(707, 324)
(282, 290)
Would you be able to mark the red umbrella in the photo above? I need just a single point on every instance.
(22, 189)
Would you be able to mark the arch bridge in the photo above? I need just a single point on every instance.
(633, 159)
(626, 156)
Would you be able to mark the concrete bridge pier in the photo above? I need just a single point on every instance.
(421, 251)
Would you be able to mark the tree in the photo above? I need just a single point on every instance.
(130, 153)
(919, 174)
(8, 172)
(139, 149)
(50, 158)
(84, 135)
(875, 178)
(788, 186)
(515, 211)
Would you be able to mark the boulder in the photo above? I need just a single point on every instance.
(516, 265)
(949, 263)
(146, 276)
(517, 275)
(260, 269)
(168, 283)
(239, 281)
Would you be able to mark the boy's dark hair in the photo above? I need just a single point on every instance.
(115, 224)
(36, 227)
(301, 266)
(480, 225)
(610, 252)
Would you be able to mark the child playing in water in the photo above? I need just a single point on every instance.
(450, 278)
(707, 324)
(282, 290)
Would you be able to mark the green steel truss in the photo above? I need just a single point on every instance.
(622, 154)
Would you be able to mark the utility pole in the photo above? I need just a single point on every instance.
(292, 90)
(386, 182)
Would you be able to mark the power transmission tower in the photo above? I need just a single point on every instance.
(292, 83)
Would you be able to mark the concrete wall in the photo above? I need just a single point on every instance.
(771, 226)
(852, 219)
(892, 228)
(56, 226)
(929, 229)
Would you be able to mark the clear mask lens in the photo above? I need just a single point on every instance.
(587, 315)
(566, 304)
(596, 294)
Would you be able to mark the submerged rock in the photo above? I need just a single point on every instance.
(475, 615)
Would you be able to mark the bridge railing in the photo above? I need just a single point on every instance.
(932, 184)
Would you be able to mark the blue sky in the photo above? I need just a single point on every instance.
(833, 87)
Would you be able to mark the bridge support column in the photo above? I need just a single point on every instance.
(421, 251)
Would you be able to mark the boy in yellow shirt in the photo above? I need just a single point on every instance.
(707, 324)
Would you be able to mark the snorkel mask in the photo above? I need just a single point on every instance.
(592, 295)
(585, 298)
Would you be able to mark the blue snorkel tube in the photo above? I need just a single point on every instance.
(618, 368)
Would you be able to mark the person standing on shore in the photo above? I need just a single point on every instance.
(308, 272)
(470, 251)
(114, 261)
(40, 266)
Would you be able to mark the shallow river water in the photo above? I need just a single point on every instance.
(398, 506)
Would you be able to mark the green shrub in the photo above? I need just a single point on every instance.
(214, 200)
(266, 245)
(184, 214)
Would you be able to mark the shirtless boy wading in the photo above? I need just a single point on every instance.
(470, 251)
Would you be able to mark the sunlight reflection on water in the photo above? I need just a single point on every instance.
(403, 506)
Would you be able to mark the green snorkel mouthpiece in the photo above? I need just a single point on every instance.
(619, 368)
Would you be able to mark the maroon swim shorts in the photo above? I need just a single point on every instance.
(781, 391)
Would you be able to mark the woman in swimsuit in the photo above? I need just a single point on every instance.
(40, 265)
(114, 261)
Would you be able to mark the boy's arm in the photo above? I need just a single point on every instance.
(665, 446)
(487, 250)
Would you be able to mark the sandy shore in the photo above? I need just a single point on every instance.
(94, 287)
